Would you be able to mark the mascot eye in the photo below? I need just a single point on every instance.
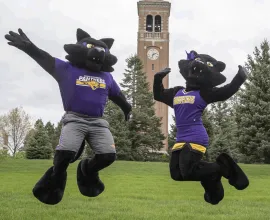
(89, 45)
(209, 64)
(198, 59)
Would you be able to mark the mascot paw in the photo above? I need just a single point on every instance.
(163, 72)
(50, 189)
(214, 191)
(90, 186)
(233, 172)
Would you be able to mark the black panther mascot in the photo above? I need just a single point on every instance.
(202, 74)
(85, 84)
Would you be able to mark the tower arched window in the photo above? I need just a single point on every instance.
(157, 23)
(149, 23)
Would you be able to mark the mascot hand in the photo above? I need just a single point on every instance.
(243, 72)
(163, 72)
(21, 41)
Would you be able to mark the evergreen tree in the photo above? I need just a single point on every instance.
(49, 127)
(120, 131)
(38, 145)
(253, 118)
(28, 136)
(172, 135)
(56, 136)
(144, 130)
(224, 127)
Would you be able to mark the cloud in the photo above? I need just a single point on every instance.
(229, 30)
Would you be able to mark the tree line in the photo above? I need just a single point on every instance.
(240, 126)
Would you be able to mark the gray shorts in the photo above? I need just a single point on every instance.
(76, 128)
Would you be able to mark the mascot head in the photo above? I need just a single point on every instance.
(201, 71)
(90, 53)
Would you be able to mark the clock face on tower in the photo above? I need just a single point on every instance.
(153, 54)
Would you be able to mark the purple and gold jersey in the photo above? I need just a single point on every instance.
(82, 91)
(188, 108)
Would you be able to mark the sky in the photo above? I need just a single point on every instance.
(228, 30)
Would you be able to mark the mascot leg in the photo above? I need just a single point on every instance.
(214, 191)
(174, 166)
(232, 172)
(102, 143)
(87, 174)
(50, 188)
(192, 168)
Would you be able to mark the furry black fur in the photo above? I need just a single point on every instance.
(88, 54)
(91, 53)
(203, 74)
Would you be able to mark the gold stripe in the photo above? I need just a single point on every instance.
(197, 147)
(178, 146)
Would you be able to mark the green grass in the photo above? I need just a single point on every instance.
(134, 190)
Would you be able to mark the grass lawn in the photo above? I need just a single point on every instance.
(134, 190)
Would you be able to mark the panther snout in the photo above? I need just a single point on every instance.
(196, 70)
(96, 60)
(197, 67)
(96, 55)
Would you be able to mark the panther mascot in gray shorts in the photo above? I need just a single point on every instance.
(85, 84)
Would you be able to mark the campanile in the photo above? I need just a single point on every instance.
(153, 47)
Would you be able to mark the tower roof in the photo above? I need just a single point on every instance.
(154, 3)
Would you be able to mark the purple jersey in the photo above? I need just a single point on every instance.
(82, 91)
(188, 108)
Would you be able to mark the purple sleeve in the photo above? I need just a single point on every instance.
(114, 88)
(60, 70)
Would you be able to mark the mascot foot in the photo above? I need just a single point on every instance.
(90, 186)
(232, 172)
(50, 189)
(214, 191)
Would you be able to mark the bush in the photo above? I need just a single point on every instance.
(39, 152)
(20, 155)
(158, 157)
(4, 154)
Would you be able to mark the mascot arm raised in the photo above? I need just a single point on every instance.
(227, 91)
(164, 95)
(22, 42)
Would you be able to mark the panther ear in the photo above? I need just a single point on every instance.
(81, 34)
(220, 66)
(191, 55)
(108, 42)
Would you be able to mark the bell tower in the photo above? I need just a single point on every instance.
(153, 48)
